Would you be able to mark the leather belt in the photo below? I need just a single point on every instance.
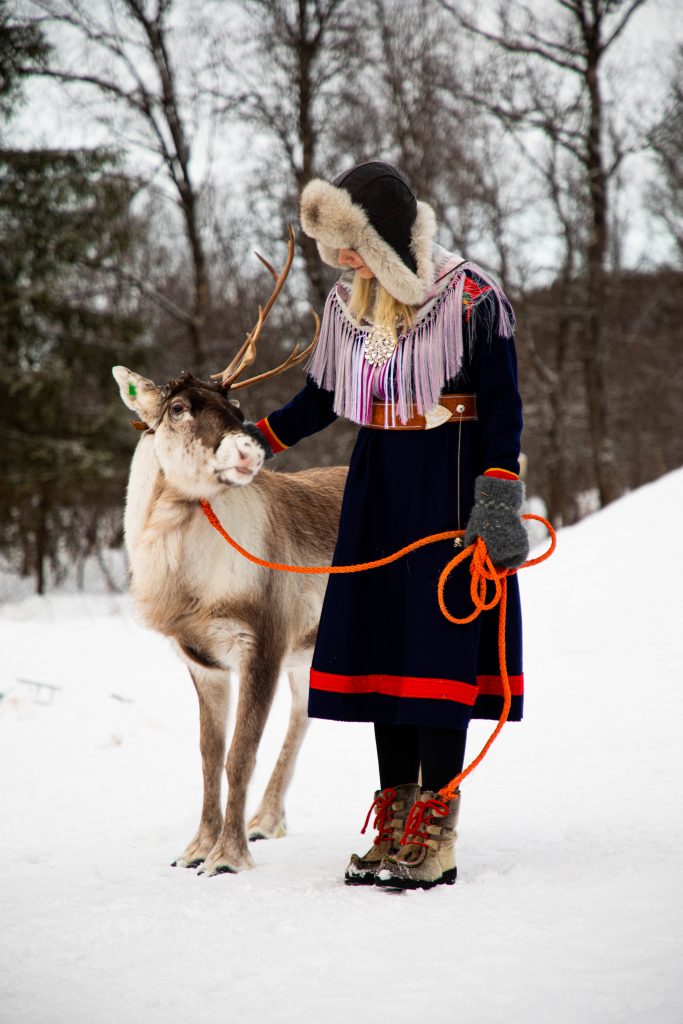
(461, 407)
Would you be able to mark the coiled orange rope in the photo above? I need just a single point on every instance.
(482, 571)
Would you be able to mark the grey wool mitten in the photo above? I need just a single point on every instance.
(495, 518)
(250, 428)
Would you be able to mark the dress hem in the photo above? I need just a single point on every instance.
(389, 711)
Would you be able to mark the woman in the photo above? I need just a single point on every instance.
(416, 347)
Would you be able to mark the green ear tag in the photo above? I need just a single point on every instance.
(132, 391)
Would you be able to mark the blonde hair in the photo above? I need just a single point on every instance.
(388, 313)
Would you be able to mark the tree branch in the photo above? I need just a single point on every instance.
(514, 45)
(623, 23)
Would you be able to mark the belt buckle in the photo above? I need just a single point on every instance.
(436, 416)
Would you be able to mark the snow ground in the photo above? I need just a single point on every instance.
(569, 902)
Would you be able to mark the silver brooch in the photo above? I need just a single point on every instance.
(379, 346)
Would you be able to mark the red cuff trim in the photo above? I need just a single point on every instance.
(270, 436)
(501, 474)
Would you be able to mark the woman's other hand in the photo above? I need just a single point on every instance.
(495, 518)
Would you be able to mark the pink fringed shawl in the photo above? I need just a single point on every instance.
(426, 357)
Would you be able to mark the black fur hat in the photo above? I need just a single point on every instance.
(373, 210)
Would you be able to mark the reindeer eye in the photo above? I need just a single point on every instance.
(177, 409)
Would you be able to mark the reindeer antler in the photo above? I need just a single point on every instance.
(247, 353)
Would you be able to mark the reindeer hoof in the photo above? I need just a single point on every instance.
(221, 869)
(225, 865)
(181, 863)
(259, 830)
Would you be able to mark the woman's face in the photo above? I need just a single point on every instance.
(350, 258)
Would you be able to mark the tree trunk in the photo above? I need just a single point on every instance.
(307, 141)
(557, 420)
(200, 354)
(594, 355)
(41, 542)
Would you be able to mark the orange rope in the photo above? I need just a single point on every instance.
(482, 571)
(313, 569)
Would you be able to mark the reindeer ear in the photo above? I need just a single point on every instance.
(138, 393)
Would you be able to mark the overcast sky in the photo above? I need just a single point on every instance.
(52, 118)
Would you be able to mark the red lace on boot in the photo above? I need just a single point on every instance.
(382, 806)
(419, 816)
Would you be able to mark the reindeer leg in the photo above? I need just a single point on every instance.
(213, 691)
(258, 678)
(269, 820)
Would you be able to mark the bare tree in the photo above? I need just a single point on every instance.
(554, 86)
(419, 116)
(666, 141)
(297, 68)
(124, 49)
(551, 322)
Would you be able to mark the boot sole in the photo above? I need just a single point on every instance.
(447, 878)
(368, 879)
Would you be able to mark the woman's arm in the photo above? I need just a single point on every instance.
(498, 493)
(308, 412)
(499, 404)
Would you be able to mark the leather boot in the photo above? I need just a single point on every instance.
(426, 853)
(391, 807)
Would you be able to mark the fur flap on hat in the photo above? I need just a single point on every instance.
(329, 215)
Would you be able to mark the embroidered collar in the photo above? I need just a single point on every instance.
(445, 263)
(426, 356)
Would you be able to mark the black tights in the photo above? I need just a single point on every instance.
(403, 749)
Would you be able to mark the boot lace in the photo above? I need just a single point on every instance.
(382, 807)
(423, 813)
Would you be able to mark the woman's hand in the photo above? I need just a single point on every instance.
(254, 430)
(495, 518)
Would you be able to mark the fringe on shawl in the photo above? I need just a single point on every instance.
(424, 359)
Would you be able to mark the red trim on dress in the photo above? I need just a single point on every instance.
(419, 687)
(396, 686)
(493, 685)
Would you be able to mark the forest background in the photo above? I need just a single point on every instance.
(147, 147)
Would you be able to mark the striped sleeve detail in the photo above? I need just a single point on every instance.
(501, 474)
(270, 436)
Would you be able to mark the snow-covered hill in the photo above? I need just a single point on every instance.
(569, 902)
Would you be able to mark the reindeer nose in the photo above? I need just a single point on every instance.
(244, 456)
(249, 457)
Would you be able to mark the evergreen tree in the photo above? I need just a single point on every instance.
(21, 46)
(65, 227)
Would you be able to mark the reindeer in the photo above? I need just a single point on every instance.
(223, 613)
